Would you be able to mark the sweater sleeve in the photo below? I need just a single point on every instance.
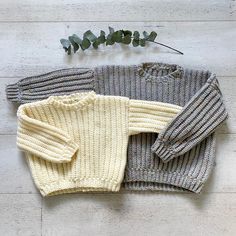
(42, 139)
(199, 118)
(148, 116)
(59, 82)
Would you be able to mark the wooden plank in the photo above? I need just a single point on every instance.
(20, 214)
(15, 176)
(130, 10)
(8, 110)
(134, 214)
(14, 172)
(228, 88)
(34, 48)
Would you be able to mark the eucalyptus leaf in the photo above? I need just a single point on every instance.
(152, 36)
(85, 44)
(142, 42)
(126, 39)
(135, 42)
(145, 34)
(74, 44)
(111, 30)
(101, 39)
(109, 40)
(127, 32)
(102, 33)
(117, 36)
(96, 44)
(136, 35)
(66, 45)
(90, 36)
(77, 39)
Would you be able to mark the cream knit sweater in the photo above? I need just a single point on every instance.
(79, 142)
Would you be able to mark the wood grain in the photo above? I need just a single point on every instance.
(20, 214)
(130, 214)
(109, 10)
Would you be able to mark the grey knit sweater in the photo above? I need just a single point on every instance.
(181, 157)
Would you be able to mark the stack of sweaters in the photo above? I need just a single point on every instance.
(140, 127)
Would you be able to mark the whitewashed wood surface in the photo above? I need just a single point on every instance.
(29, 44)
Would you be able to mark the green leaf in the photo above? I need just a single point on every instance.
(96, 44)
(117, 36)
(102, 33)
(66, 45)
(145, 34)
(90, 36)
(152, 36)
(111, 30)
(76, 39)
(109, 40)
(74, 44)
(142, 42)
(127, 32)
(102, 38)
(85, 44)
(135, 42)
(126, 39)
(136, 35)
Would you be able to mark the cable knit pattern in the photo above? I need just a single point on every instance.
(79, 142)
(173, 160)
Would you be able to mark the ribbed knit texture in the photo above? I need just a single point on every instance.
(79, 142)
(182, 156)
(60, 82)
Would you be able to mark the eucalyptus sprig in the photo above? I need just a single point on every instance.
(119, 36)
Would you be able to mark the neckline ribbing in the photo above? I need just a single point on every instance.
(158, 70)
(73, 101)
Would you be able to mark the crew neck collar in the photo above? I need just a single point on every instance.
(156, 70)
(73, 101)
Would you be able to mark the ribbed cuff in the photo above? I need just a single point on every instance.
(69, 150)
(162, 151)
(13, 92)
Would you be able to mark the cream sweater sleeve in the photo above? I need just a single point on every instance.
(148, 116)
(42, 139)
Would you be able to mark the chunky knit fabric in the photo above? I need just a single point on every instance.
(181, 157)
(79, 142)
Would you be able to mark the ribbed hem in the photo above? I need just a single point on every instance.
(85, 185)
(143, 179)
(13, 92)
(162, 151)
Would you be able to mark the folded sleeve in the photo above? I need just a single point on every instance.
(43, 139)
(199, 118)
(147, 116)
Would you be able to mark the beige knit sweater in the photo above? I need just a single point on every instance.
(79, 142)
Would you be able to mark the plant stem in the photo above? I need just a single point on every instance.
(166, 46)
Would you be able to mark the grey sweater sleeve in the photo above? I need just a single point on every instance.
(199, 118)
(59, 82)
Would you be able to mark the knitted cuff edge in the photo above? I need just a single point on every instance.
(161, 150)
(12, 92)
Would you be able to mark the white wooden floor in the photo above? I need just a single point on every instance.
(29, 44)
